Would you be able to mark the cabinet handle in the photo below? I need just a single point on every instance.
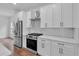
(60, 50)
(46, 25)
(60, 44)
(61, 23)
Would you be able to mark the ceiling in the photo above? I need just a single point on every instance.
(21, 6)
(27, 6)
(11, 8)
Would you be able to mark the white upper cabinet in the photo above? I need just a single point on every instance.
(56, 15)
(43, 17)
(53, 15)
(47, 16)
(50, 16)
(66, 14)
(76, 15)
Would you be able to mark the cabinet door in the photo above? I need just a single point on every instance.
(43, 47)
(49, 16)
(53, 15)
(56, 49)
(43, 17)
(76, 15)
(57, 15)
(67, 14)
(47, 47)
(68, 50)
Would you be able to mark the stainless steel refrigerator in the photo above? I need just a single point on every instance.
(18, 33)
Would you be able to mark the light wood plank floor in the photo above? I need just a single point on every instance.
(22, 52)
(8, 42)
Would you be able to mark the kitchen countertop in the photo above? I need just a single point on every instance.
(62, 39)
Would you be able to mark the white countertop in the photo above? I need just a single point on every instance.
(67, 40)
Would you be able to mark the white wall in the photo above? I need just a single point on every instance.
(4, 26)
(4, 11)
(12, 20)
(5, 17)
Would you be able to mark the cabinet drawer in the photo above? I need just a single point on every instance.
(62, 49)
(67, 14)
(43, 46)
(68, 50)
(56, 49)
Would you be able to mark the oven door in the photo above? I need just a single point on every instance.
(32, 44)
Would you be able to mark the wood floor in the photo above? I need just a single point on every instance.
(22, 52)
(7, 42)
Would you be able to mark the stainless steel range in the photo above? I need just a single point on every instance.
(31, 40)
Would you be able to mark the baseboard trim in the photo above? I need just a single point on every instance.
(6, 38)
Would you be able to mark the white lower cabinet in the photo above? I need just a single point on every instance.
(68, 50)
(55, 49)
(61, 49)
(43, 46)
(47, 47)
